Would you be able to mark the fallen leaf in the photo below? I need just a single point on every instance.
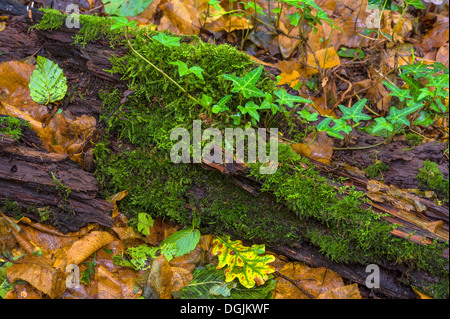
(420, 295)
(38, 271)
(108, 285)
(318, 146)
(327, 58)
(345, 292)
(82, 249)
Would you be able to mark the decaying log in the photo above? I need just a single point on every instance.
(34, 181)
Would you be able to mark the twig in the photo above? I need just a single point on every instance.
(277, 273)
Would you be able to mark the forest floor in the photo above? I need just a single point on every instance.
(377, 70)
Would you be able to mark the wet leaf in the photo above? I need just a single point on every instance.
(246, 263)
(247, 84)
(186, 240)
(328, 58)
(47, 83)
(83, 248)
(38, 271)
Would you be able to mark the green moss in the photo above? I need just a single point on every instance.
(12, 208)
(431, 178)
(376, 169)
(92, 27)
(52, 20)
(12, 127)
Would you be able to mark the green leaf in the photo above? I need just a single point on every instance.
(268, 104)
(47, 83)
(236, 118)
(247, 84)
(399, 116)
(250, 108)
(355, 112)
(382, 124)
(396, 91)
(209, 283)
(125, 8)
(415, 3)
(185, 239)
(184, 70)
(423, 119)
(167, 40)
(284, 98)
(122, 22)
(350, 53)
(339, 126)
(221, 105)
(5, 286)
(145, 221)
(206, 100)
(414, 85)
(246, 263)
(310, 117)
(197, 71)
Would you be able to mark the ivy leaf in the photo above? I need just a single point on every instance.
(396, 91)
(423, 119)
(310, 117)
(399, 116)
(268, 104)
(221, 105)
(382, 124)
(197, 71)
(414, 85)
(284, 98)
(252, 109)
(167, 40)
(247, 84)
(246, 263)
(206, 100)
(236, 119)
(339, 126)
(47, 83)
(185, 239)
(355, 112)
(5, 286)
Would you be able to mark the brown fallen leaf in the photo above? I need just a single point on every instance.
(327, 59)
(108, 285)
(24, 291)
(345, 292)
(318, 146)
(114, 199)
(165, 279)
(82, 249)
(38, 271)
(14, 80)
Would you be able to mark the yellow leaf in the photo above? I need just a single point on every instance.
(327, 58)
(246, 263)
